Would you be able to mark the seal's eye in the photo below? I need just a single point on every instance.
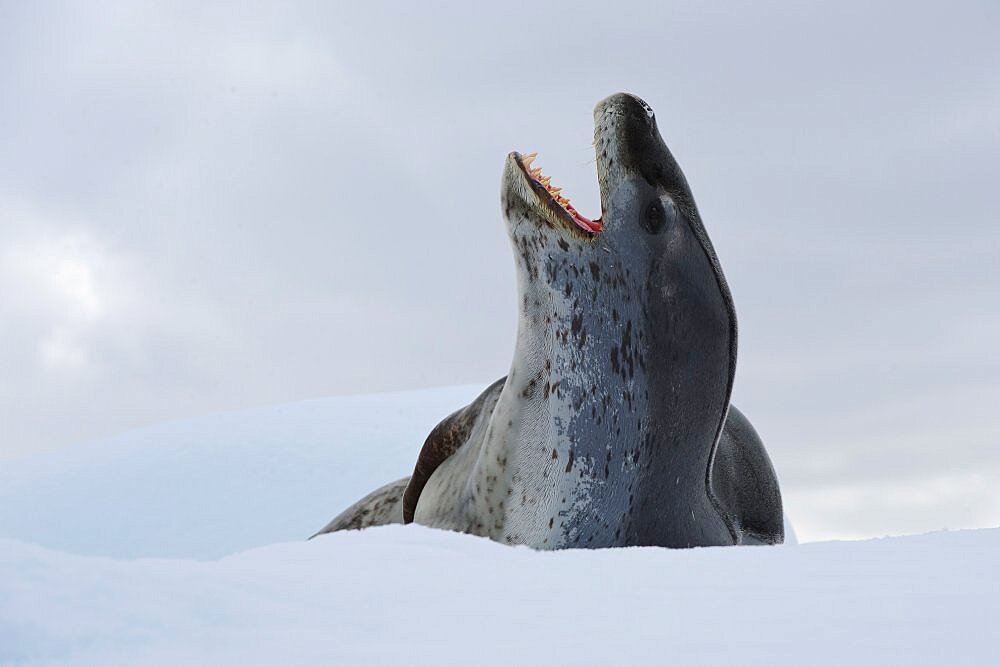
(656, 216)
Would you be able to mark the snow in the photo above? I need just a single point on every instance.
(207, 487)
(184, 543)
(413, 595)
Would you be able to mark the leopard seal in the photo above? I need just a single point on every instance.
(613, 426)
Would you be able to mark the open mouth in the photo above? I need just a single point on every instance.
(553, 195)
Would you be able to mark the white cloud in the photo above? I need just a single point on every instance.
(888, 506)
(56, 278)
(302, 200)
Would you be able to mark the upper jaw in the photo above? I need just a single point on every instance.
(622, 123)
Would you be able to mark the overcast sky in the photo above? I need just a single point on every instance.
(208, 207)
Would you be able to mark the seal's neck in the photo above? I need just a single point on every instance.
(601, 414)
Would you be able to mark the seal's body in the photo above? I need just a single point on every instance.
(613, 426)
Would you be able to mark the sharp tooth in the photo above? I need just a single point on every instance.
(536, 172)
(545, 180)
(526, 160)
(555, 191)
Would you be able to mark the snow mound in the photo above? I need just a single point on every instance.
(411, 595)
(78, 586)
(211, 486)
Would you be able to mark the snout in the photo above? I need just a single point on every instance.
(626, 106)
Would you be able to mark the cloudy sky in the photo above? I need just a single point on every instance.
(208, 206)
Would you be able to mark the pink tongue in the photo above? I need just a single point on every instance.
(592, 226)
(586, 224)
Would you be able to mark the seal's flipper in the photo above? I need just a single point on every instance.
(395, 502)
(744, 482)
(380, 507)
(445, 440)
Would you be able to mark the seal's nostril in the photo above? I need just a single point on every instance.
(645, 107)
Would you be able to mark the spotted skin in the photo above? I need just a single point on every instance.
(380, 507)
(609, 428)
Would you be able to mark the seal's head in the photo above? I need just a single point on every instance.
(646, 204)
(625, 351)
